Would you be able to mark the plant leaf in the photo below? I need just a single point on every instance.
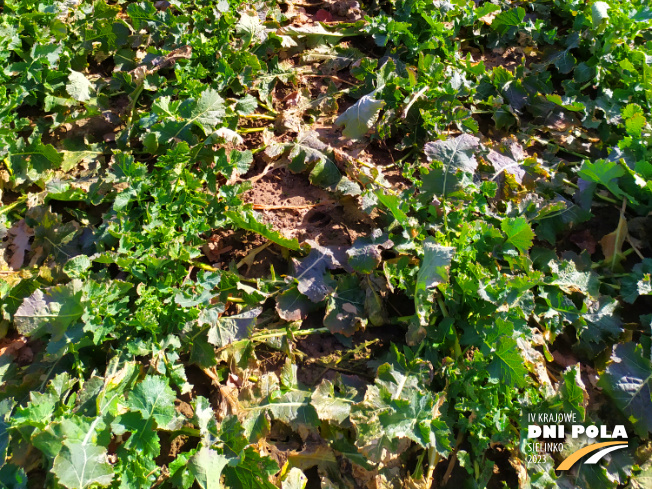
(206, 466)
(310, 272)
(360, 117)
(519, 233)
(79, 465)
(79, 87)
(57, 307)
(628, 381)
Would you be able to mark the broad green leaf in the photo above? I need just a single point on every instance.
(393, 203)
(79, 87)
(567, 277)
(79, 465)
(57, 307)
(603, 322)
(434, 270)
(435, 265)
(519, 233)
(153, 399)
(635, 120)
(252, 471)
(364, 254)
(507, 20)
(507, 365)
(599, 13)
(573, 393)
(292, 408)
(638, 282)
(333, 400)
(227, 329)
(29, 161)
(360, 117)
(177, 118)
(395, 407)
(456, 155)
(247, 221)
(246, 105)
(628, 381)
(605, 173)
(206, 466)
(209, 110)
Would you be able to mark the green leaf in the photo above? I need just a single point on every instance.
(246, 105)
(519, 233)
(507, 20)
(393, 203)
(599, 13)
(55, 307)
(177, 118)
(638, 282)
(29, 161)
(227, 329)
(635, 120)
(457, 154)
(573, 393)
(292, 305)
(507, 365)
(628, 381)
(360, 117)
(397, 406)
(605, 173)
(79, 465)
(209, 110)
(252, 471)
(568, 278)
(434, 270)
(364, 254)
(153, 399)
(333, 400)
(247, 221)
(603, 323)
(79, 87)
(206, 466)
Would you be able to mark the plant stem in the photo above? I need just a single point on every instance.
(259, 116)
(248, 130)
(9, 207)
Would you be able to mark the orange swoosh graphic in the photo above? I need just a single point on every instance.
(570, 460)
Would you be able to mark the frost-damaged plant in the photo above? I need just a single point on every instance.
(497, 154)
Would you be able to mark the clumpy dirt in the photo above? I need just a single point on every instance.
(509, 58)
(225, 246)
(297, 209)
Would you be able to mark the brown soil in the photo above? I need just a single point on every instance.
(225, 246)
(328, 222)
(509, 58)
